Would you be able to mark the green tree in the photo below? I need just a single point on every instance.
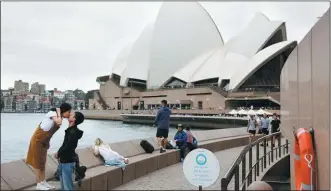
(79, 94)
(89, 95)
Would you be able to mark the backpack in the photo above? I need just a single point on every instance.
(148, 148)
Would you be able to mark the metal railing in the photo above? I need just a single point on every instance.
(260, 164)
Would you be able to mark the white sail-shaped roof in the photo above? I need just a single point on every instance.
(224, 62)
(121, 61)
(184, 43)
(138, 61)
(253, 38)
(257, 62)
(182, 31)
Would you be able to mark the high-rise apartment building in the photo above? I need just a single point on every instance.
(21, 86)
(37, 88)
(8, 103)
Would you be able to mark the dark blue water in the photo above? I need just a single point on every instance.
(17, 129)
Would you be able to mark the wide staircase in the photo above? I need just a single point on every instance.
(257, 161)
(101, 101)
(220, 91)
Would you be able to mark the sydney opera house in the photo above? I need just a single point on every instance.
(181, 57)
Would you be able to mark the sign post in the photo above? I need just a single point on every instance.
(201, 168)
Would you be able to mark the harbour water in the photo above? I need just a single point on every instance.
(17, 129)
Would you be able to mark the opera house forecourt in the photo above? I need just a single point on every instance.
(182, 58)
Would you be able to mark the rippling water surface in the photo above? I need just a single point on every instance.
(17, 129)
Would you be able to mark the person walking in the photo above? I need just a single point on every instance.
(275, 126)
(40, 143)
(265, 121)
(162, 121)
(251, 127)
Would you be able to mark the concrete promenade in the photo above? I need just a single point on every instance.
(172, 177)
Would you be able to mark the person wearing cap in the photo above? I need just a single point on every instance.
(180, 139)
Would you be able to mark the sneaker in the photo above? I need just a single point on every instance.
(41, 186)
(48, 185)
(181, 160)
(162, 150)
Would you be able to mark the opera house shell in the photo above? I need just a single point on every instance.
(183, 48)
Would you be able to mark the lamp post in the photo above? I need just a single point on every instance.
(131, 95)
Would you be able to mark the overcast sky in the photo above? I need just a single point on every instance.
(68, 44)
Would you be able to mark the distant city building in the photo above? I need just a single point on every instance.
(46, 96)
(15, 93)
(5, 92)
(70, 98)
(32, 106)
(8, 103)
(20, 105)
(46, 106)
(58, 94)
(56, 102)
(36, 98)
(21, 86)
(42, 88)
(37, 88)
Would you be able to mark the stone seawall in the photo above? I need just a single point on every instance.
(202, 122)
(17, 175)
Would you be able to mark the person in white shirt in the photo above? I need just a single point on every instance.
(40, 142)
(111, 158)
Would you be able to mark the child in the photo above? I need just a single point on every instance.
(66, 154)
(111, 158)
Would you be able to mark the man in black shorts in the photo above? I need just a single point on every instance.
(275, 126)
(251, 128)
(162, 121)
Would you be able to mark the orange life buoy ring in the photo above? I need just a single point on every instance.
(304, 160)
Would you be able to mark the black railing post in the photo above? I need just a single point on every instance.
(243, 171)
(272, 148)
(224, 184)
(262, 164)
(286, 146)
(250, 166)
(279, 146)
(236, 178)
(257, 160)
(265, 152)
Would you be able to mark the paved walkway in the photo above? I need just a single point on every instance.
(172, 177)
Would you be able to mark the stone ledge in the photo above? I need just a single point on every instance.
(99, 177)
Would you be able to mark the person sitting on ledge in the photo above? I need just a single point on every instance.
(111, 158)
(180, 139)
(191, 142)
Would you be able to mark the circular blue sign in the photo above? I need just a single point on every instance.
(201, 159)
